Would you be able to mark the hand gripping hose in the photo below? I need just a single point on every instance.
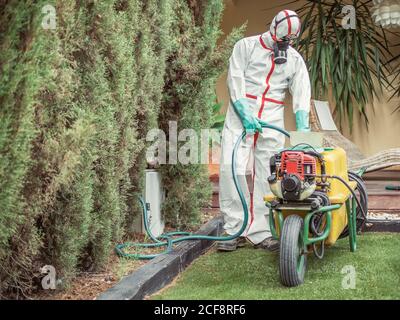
(168, 239)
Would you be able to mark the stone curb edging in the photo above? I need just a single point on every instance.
(160, 271)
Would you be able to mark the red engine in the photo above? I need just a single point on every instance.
(293, 175)
(298, 163)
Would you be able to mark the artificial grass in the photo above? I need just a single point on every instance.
(253, 274)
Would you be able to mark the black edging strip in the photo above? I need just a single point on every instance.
(383, 226)
(160, 271)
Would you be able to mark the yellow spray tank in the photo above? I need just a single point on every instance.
(338, 193)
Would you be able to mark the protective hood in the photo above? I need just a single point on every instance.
(286, 24)
(284, 27)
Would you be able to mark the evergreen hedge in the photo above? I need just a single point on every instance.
(194, 65)
(76, 105)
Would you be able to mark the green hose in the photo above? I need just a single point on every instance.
(391, 187)
(167, 240)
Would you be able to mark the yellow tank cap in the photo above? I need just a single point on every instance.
(269, 197)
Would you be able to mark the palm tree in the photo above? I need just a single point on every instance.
(350, 61)
(395, 81)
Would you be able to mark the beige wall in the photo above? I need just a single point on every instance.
(384, 128)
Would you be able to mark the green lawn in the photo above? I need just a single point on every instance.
(253, 274)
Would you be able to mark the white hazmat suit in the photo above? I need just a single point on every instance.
(256, 77)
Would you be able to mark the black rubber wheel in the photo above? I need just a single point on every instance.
(292, 259)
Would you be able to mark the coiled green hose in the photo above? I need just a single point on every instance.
(167, 239)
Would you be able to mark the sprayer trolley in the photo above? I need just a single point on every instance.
(314, 202)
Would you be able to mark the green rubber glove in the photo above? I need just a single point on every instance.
(302, 121)
(250, 122)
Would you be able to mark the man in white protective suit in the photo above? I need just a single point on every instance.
(261, 68)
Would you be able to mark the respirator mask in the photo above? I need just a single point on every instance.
(285, 27)
(280, 50)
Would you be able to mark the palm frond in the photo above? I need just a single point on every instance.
(348, 62)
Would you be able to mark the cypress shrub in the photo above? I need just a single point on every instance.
(153, 44)
(70, 130)
(72, 140)
(193, 68)
(24, 69)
